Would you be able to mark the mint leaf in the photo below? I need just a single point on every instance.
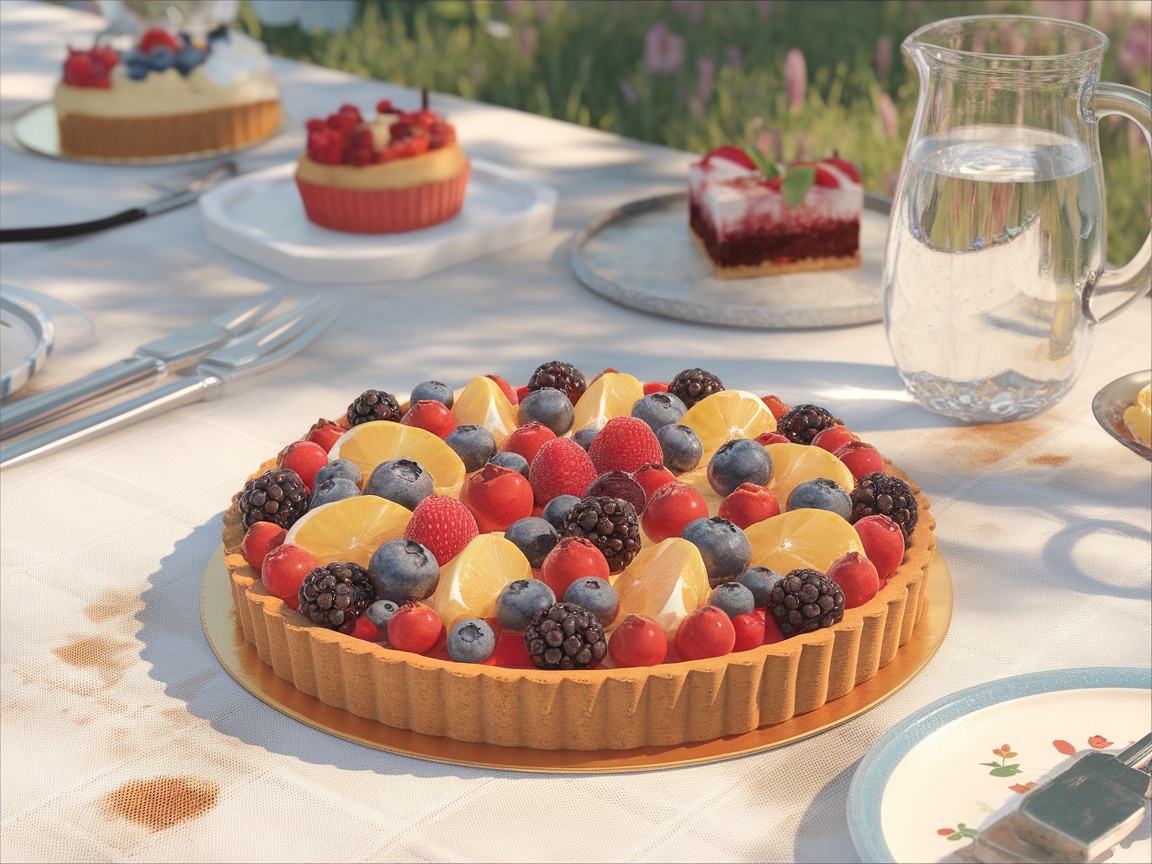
(797, 181)
(767, 166)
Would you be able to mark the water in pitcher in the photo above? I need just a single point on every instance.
(1000, 228)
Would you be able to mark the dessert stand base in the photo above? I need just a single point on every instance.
(241, 661)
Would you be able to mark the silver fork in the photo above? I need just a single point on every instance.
(262, 348)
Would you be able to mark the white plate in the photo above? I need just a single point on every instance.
(642, 255)
(260, 217)
(26, 338)
(37, 130)
(931, 783)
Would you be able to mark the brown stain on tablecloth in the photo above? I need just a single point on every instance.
(112, 605)
(110, 657)
(988, 445)
(163, 801)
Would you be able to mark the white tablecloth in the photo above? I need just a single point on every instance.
(107, 678)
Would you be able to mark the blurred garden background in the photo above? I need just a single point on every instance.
(800, 78)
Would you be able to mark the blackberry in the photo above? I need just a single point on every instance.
(692, 385)
(803, 422)
(373, 405)
(336, 595)
(805, 601)
(278, 496)
(560, 376)
(890, 496)
(565, 636)
(610, 523)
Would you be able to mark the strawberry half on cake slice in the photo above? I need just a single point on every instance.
(751, 217)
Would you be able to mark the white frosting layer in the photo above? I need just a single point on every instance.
(236, 72)
(736, 201)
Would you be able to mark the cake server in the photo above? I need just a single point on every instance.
(148, 361)
(267, 345)
(1077, 815)
(177, 197)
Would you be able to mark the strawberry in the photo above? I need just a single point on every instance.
(847, 167)
(625, 444)
(384, 106)
(823, 177)
(561, 467)
(732, 154)
(443, 525)
(157, 38)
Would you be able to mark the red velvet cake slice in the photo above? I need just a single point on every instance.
(741, 218)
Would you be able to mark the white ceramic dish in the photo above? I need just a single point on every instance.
(26, 338)
(1109, 404)
(260, 217)
(927, 787)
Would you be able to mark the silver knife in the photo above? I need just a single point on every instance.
(264, 347)
(176, 198)
(149, 360)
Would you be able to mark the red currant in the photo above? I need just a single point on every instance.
(857, 578)
(570, 559)
(860, 458)
(749, 629)
(776, 405)
(283, 570)
(883, 543)
(670, 508)
(767, 438)
(497, 497)
(365, 630)
(834, 437)
(415, 627)
(655, 387)
(260, 539)
(325, 433)
(707, 632)
(638, 641)
(305, 458)
(527, 440)
(652, 477)
(748, 504)
(431, 416)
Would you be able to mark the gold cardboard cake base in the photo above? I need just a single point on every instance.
(242, 662)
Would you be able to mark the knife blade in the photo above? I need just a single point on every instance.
(176, 198)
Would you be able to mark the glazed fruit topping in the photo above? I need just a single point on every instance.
(90, 68)
(345, 137)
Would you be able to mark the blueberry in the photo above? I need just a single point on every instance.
(533, 536)
(595, 595)
(584, 437)
(160, 58)
(471, 640)
(473, 444)
(741, 460)
(659, 409)
(681, 446)
(821, 494)
(188, 58)
(403, 570)
(759, 580)
(136, 65)
(520, 600)
(380, 613)
(725, 549)
(334, 489)
(400, 480)
(556, 509)
(732, 597)
(550, 407)
(432, 390)
(339, 468)
(508, 459)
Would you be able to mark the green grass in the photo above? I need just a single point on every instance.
(583, 62)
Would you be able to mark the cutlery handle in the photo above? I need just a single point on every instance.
(59, 401)
(58, 232)
(182, 391)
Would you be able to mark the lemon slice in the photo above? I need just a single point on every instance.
(472, 581)
(611, 395)
(369, 444)
(350, 529)
(726, 415)
(793, 464)
(667, 582)
(1138, 416)
(483, 403)
(802, 538)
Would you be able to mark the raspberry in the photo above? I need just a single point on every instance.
(638, 641)
(443, 525)
(497, 497)
(570, 559)
(561, 467)
(432, 416)
(625, 444)
(707, 632)
(157, 38)
(670, 509)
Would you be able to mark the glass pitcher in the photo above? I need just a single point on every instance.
(996, 242)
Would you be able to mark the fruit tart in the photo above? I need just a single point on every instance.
(580, 565)
(168, 94)
(400, 171)
(751, 217)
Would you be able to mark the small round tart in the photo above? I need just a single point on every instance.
(599, 708)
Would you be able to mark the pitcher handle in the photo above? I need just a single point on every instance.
(1136, 275)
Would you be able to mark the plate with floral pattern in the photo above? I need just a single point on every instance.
(925, 790)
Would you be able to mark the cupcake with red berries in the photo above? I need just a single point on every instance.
(401, 171)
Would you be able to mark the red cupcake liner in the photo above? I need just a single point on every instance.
(384, 211)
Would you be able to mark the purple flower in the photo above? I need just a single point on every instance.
(733, 56)
(795, 77)
(883, 57)
(1136, 49)
(663, 50)
(512, 6)
(697, 13)
(628, 92)
(889, 119)
(706, 66)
